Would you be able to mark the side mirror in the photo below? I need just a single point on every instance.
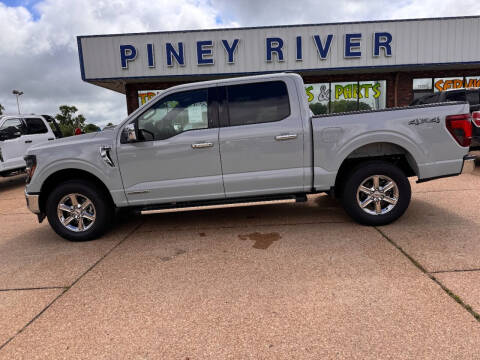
(129, 134)
(9, 133)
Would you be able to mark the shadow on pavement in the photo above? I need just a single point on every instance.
(10, 183)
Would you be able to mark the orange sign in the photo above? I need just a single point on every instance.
(442, 84)
(146, 95)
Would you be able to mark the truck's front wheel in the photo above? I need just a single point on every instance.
(376, 193)
(77, 211)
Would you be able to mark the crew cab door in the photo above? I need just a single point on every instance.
(13, 146)
(261, 139)
(176, 156)
(37, 131)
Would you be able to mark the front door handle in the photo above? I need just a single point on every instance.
(28, 141)
(202, 145)
(285, 137)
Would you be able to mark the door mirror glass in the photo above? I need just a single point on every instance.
(129, 135)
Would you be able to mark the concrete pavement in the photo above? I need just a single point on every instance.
(273, 281)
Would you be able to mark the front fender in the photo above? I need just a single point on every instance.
(108, 175)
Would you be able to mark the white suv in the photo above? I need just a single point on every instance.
(18, 133)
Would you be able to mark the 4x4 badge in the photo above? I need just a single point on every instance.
(420, 121)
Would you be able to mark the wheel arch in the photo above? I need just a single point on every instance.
(66, 175)
(383, 150)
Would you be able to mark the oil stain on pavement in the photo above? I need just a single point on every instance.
(262, 241)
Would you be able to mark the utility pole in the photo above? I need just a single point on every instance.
(17, 93)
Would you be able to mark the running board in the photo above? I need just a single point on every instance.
(223, 203)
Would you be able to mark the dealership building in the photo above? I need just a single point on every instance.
(345, 66)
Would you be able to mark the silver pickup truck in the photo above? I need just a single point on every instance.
(242, 140)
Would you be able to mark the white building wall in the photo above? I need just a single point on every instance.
(430, 41)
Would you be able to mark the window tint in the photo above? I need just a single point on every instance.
(175, 114)
(13, 125)
(473, 97)
(456, 96)
(257, 103)
(35, 126)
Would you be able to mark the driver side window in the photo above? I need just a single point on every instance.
(174, 114)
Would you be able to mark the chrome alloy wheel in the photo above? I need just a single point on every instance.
(377, 195)
(76, 212)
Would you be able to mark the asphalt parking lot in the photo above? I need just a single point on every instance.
(286, 281)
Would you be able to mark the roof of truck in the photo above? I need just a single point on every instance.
(236, 78)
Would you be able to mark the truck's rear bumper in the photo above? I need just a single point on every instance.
(468, 164)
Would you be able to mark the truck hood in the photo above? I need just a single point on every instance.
(73, 143)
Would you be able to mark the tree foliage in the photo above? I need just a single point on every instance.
(67, 120)
(91, 128)
(1, 109)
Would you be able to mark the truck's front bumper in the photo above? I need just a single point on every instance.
(468, 164)
(33, 202)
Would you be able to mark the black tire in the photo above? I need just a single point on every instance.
(361, 173)
(102, 206)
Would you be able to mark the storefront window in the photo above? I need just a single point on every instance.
(372, 95)
(318, 97)
(343, 97)
(422, 84)
(447, 83)
(346, 96)
(472, 81)
(423, 87)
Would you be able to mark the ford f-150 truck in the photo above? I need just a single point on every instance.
(242, 140)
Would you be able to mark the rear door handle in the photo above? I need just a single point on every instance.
(285, 137)
(50, 139)
(28, 141)
(202, 145)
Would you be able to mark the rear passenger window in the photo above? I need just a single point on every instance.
(35, 126)
(258, 103)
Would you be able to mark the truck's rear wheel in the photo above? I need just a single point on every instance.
(376, 193)
(77, 211)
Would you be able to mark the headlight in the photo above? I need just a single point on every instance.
(31, 161)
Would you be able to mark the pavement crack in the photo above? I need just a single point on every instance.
(35, 288)
(452, 271)
(66, 289)
(433, 278)
(445, 190)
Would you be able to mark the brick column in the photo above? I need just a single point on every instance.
(131, 95)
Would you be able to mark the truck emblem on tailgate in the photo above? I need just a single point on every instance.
(420, 121)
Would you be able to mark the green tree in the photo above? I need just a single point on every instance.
(91, 128)
(1, 109)
(109, 124)
(67, 120)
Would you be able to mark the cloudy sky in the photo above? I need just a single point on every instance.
(38, 48)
